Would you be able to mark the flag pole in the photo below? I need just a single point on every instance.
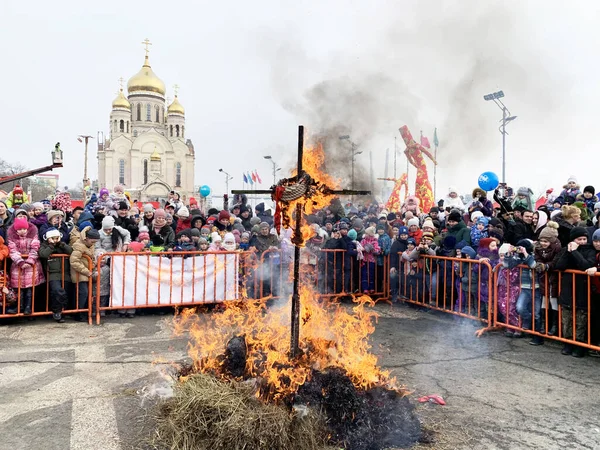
(436, 142)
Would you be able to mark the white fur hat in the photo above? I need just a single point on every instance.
(215, 237)
(476, 215)
(413, 221)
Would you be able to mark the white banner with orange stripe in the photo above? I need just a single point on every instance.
(146, 279)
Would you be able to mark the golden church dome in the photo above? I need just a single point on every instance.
(146, 80)
(175, 107)
(121, 101)
(155, 156)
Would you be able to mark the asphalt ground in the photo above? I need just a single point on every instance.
(75, 386)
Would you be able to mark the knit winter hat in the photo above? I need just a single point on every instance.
(27, 206)
(215, 237)
(469, 251)
(483, 220)
(523, 191)
(527, 244)
(414, 221)
(589, 189)
(52, 232)
(596, 235)
(476, 215)
(21, 223)
(224, 215)
(122, 205)
(92, 234)
(427, 234)
(195, 232)
(460, 245)
(454, 216)
(550, 232)
(402, 230)
(143, 236)
(380, 227)
(391, 217)
(573, 179)
(577, 232)
(434, 209)
(183, 212)
(496, 233)
(357, 223)
(38, 205)
(428, 224)
(108, 223)
(160, 213)
(17, 189)
(21, 211)
(202, 241)
(484, 243)
(254, 221)
(352, 234)
(504, 249)
(411, 241)
(54, 212)
(370, 231)
(136, 247)
(103, 191)
(148, 208)
(85, 223)
(343, 226)
(449, 242)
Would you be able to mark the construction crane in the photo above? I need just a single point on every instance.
(57, 161)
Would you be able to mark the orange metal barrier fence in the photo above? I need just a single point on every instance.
(37, 298)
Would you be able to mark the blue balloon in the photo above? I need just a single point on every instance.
(488, 181)
(205, 191)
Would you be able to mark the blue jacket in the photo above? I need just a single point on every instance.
(529, 278)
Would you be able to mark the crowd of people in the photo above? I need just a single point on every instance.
(506, 231)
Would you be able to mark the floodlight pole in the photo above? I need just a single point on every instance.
(495, 97)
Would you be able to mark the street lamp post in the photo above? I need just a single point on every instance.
(506, 117)
(227, 178)
(353, 146)
(84, 138)
(275, 168)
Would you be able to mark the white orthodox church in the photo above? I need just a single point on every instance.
(147, 150)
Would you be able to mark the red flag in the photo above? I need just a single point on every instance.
(425, 142)
(257, 177)
(253, 177)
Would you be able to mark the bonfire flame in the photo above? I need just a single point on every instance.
(331, 336)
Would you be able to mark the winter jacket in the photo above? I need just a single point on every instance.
(546, 257)
(57, 268)
(183, 224)
(564, 230)
(63, 229)
(11, 202)
(28, 246)
(528, 277)
(477, 235)
(427, 264)
(385, 243)
(416, 235)
(519, 230)
(128, 224)
(167, 234)
(80, 271)
(4, 253)
(461, 232)
(581, 259)
(263, 243)
(106, 240)
(589, 202)
(6, 224)
(398, 247)
(38, 221)
(372, 249)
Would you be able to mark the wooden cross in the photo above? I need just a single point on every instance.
(147, 43)
(297, 239)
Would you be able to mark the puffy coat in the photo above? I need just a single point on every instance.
(581, 259)
(63, 229)
(4, 253)
(78, 260)
(55, 265)
(461, 232)
(166, 233)
(106, 240)
(29, 246)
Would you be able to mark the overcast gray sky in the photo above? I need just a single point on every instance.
(250, 72)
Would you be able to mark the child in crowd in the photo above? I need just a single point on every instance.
(410, 271)
(80, 270)
(229, 242)
(546, 250)
(571, 189)
(26, 270)
(58, 271)
(479, 231)
(508, 292)
(103, 200)
(203, 245)
(144, 239)
(371, 250)
(529, 302)
(136, 247)
(117, 196)
(157, 244)
(588, 198)
(184, 241)
(195, 233)
(205, 232)
(245, 241)
(215, 239)
(414, 231)
(468, 274)
(39, 215)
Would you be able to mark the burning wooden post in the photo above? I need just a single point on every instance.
(297, 189)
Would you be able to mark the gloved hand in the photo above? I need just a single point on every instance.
(539, 267)
(368, 248)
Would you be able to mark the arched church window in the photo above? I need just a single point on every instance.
(162, 114)
(171, 130)
(157, 110)
(177, 130)
(115, 126)
(139, 111)
(145, 171)
(122, 126)
(148, 113)
(128, 126)
(121, 171)
(178, 175)
(183, 131)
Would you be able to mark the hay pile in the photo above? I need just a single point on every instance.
(206, 413)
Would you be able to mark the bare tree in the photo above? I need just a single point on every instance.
(6, 169)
